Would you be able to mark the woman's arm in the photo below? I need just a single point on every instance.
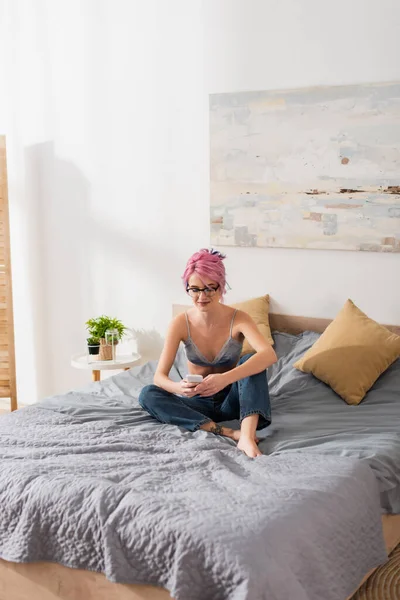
(175, 335)
(264, 355)
(172, 340)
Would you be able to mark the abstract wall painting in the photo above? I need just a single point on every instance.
(311, 168)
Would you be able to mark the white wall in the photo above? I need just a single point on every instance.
(106, 114)
(105, 117)
(283, 44)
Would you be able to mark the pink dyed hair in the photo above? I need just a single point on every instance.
(207, 264)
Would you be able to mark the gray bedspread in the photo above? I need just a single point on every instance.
(308, 418)
(88, 480)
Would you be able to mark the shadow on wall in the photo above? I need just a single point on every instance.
(67, 245)
(149, 343)
(139, 257)
(57, 207)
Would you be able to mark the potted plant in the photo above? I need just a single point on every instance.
(97, 329)
(93, 344)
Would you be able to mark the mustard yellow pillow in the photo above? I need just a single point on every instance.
(258, 309)
(351, 354)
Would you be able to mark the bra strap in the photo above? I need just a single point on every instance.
(233, 318)
(187, 323)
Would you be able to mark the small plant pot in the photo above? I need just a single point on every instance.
(93, 349)
(106, 350)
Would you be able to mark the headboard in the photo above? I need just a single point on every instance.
(290, 323)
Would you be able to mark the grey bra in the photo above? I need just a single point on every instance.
(228, 355)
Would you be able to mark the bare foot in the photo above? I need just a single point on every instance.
(234, 434)
(249, 446)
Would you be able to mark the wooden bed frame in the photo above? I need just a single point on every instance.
(50, 581)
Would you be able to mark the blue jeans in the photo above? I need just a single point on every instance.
(248, 396)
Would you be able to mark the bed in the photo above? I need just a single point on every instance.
(103, 413)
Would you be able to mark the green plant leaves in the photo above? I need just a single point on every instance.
(97, 327)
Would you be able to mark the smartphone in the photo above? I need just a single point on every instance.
(190, 378)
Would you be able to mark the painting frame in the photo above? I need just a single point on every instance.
(314, 168)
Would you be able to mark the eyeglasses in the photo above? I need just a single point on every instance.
(195, 291)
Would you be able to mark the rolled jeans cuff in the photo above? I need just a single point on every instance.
(200, 423)
(267, 419)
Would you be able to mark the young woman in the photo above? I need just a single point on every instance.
(213, 334)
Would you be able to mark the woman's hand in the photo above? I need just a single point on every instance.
(187, 389)
(211, 385)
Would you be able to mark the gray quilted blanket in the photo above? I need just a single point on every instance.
(90, 481)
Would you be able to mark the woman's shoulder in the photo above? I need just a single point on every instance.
(229, 310)
(241, 313)
(179, 320)
(178, 325)
(241, 318)
(236, 315)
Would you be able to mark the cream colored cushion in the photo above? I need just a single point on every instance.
(258, 309)
(351, 354)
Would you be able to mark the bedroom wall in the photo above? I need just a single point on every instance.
(288, 44)
(106, 114)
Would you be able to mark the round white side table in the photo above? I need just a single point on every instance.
(81, 361)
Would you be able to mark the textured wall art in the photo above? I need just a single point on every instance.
(311, 168)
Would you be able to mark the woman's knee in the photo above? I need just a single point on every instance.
(147, 395)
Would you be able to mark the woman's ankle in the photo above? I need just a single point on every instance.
(217, 429)
(245, 435)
